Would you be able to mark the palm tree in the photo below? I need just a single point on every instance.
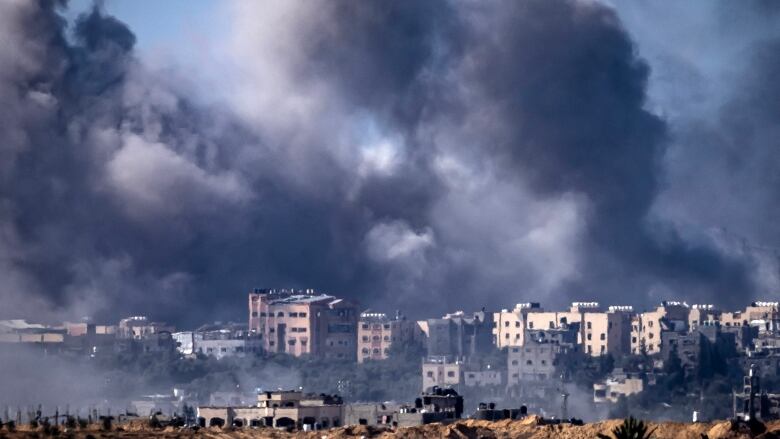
(632, 429)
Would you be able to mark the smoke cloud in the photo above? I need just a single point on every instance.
(414, 155)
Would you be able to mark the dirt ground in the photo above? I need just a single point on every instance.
(529, 428)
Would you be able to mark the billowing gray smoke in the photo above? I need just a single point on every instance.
(420, 155)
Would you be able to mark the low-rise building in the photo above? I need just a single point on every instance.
(218, 340)
(282, 409)
(138, 327)
(618, 384)
(441, 371)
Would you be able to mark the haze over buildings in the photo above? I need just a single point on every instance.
(443, 154)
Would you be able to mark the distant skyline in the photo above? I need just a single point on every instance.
(165, 158)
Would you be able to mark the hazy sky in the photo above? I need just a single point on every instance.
(166, 157)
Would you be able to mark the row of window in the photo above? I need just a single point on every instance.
(297, 329)
(377, 338)
(375, 326)
(375, 351)
(280, 314)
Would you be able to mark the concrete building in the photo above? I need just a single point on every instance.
(138, 327)
(22, 332)
(460, 335)
(376, 333)
(441, 371)
(543, 354)
(301, 322)
(509, 325)
(483, 378)
(763, 315)
(618, 384)
(283, 409)
(602, 331)
(217, 340)
(647, 327)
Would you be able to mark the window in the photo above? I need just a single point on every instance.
(376, 350)
(506, 324)
(365, 351)
(552, 325)
(262, 314)
(589, 336)
(590, 325)
(514, 362)
(603, 349)
(517, 324)
(387, 338)
(450, 374)
(530, 325)
(301, 314)
(291, 342)
(254, 313)
(301, 329)
(364, 326)
(271, 343)
(633, 339)
(223, 349)
(590, 349)
(365, 338)
(603, 336)
(544, 362)
(650, 336)
(293, 314)
(529, 362)
(506, 335)
(471, 375)
(387, 326)
(375, 338)
(429, 374)
(515, 350)
(280, 314)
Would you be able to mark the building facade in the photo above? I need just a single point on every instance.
(377, 333)
(303, 322)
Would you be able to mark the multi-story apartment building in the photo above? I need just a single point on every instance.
(542, 355)
(377, 332)
(646, 328)
(600, 332)
(301, 322)
(459, 334)
(608, 332)
(509, 325)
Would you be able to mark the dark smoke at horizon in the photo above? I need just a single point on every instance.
(425, 156)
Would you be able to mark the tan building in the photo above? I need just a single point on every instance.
(283, 409)
(438, 371)
(509, 325)
(300, 322)
(138, 327)
(608, 332)
(702, 314)
(647, 327)
(544, 352)
(763, 315)
(377, 332)
(617, 385)
(601, 332)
